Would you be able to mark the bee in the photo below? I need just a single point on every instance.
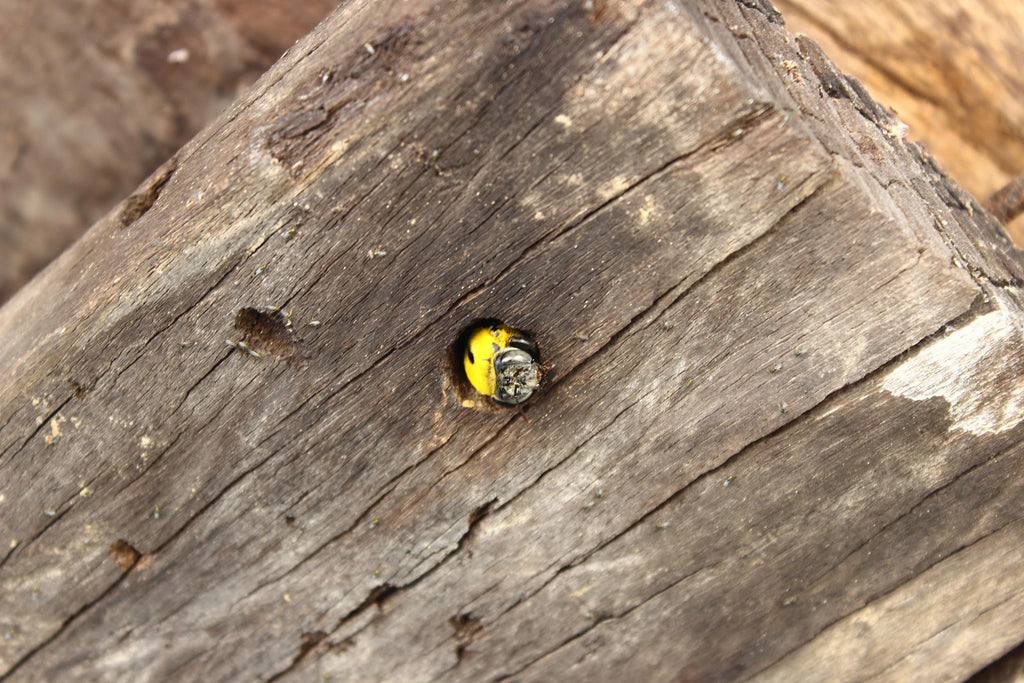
(501, 362)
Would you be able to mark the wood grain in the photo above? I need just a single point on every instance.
(775, 335)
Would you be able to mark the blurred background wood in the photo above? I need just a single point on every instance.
(97, 94)
(951, 69)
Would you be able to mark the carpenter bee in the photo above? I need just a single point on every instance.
(502, 362)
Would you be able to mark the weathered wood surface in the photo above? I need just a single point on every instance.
(97, 94)
(94, 100)
(779, 437)
(950, 68)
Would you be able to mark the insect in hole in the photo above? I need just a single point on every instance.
(501, 362)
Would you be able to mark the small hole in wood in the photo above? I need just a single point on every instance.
(266, 332)
(466, 628)
(124, 554)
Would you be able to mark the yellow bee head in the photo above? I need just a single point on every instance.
(501, 362)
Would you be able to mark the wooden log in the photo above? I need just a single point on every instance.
(97, 94)
(778, 437)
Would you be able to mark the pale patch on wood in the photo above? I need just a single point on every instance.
(55, 433)
(964, 367)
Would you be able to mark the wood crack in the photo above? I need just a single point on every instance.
(241, 476)
(360, 519)
(146, 346)
(601, 619)
(38, 428)
(58, 514)
(551, 468)
(139, 202)
(953, 481)
(387, 590)
(911, 648)
(188, 393)
(881, 596)
(476, 451)
(62, 628)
